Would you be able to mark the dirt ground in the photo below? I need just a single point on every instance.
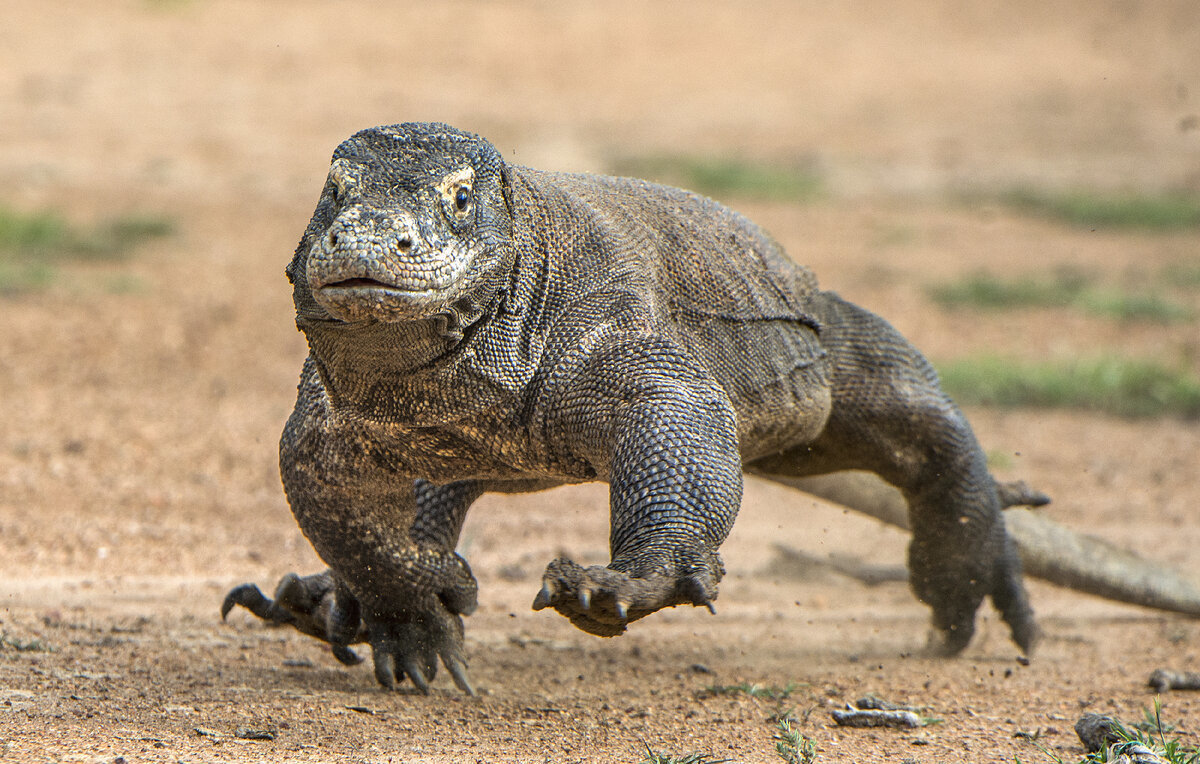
(138, 477)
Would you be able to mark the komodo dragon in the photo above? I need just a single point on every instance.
(475, 326)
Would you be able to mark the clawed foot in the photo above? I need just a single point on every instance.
(409, 635)
(603, 601)
(313, 605)
(413, 646)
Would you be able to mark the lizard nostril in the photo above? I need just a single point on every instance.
(404, 243)
(333, 239)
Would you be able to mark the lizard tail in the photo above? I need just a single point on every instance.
(1048, 550)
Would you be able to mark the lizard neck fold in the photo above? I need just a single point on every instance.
(421, 372)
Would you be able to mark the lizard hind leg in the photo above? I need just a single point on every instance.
(960, 553)
(891, 417)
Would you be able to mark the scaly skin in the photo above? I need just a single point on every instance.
(475, 326)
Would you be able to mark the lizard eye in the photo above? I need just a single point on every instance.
(456, 192)
(462, 198)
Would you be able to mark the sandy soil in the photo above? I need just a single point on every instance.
(137, 446)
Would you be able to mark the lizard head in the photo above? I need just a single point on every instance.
(413, 218)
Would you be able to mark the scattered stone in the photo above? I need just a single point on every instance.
(1163, 680)
(298, 663)
(246, 733)
(523, 640)
(1098, 732)
(853, 716)
(877, 703)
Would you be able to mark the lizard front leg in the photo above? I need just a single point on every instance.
(395, 580)
(643, 414)
(323, 606)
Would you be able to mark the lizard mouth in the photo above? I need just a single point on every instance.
(357, 283)
(362, 298)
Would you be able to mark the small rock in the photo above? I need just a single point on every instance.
(1096, 731)
(1163, 680)
(856, 717)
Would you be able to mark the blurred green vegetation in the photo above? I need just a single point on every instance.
(726, 177)
(1184, 275)
(1063, 288)
(34, 245)
(1092, 209)
(1110, 385)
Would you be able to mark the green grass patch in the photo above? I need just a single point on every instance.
(1108, 385)
(756, 691)
(654, 757)
(1182, 275)
(33, 245)
(792, 746)
(982, 290)
(16, 644)
(1097, 210)
(37, 232)
(1133, 307)
(1063, 288)
(727, 177)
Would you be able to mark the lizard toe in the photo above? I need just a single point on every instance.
(410, 644)
(603, 601)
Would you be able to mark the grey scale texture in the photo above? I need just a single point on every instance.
(476, 326)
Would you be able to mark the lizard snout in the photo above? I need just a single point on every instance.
(372, 265)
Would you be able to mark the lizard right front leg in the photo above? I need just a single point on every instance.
(395, 580)
(645, 416)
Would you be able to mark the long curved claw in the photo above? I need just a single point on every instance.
(416, 675)
(385, 668)
(458, 671)
(603, 601)
(345, 655)
(251, 597)
(544, 598)
(1018, 493)
(693, 590)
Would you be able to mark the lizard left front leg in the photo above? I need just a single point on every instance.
(644, 415)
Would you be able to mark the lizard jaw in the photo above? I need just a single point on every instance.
(366, 299)
(358, 283)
